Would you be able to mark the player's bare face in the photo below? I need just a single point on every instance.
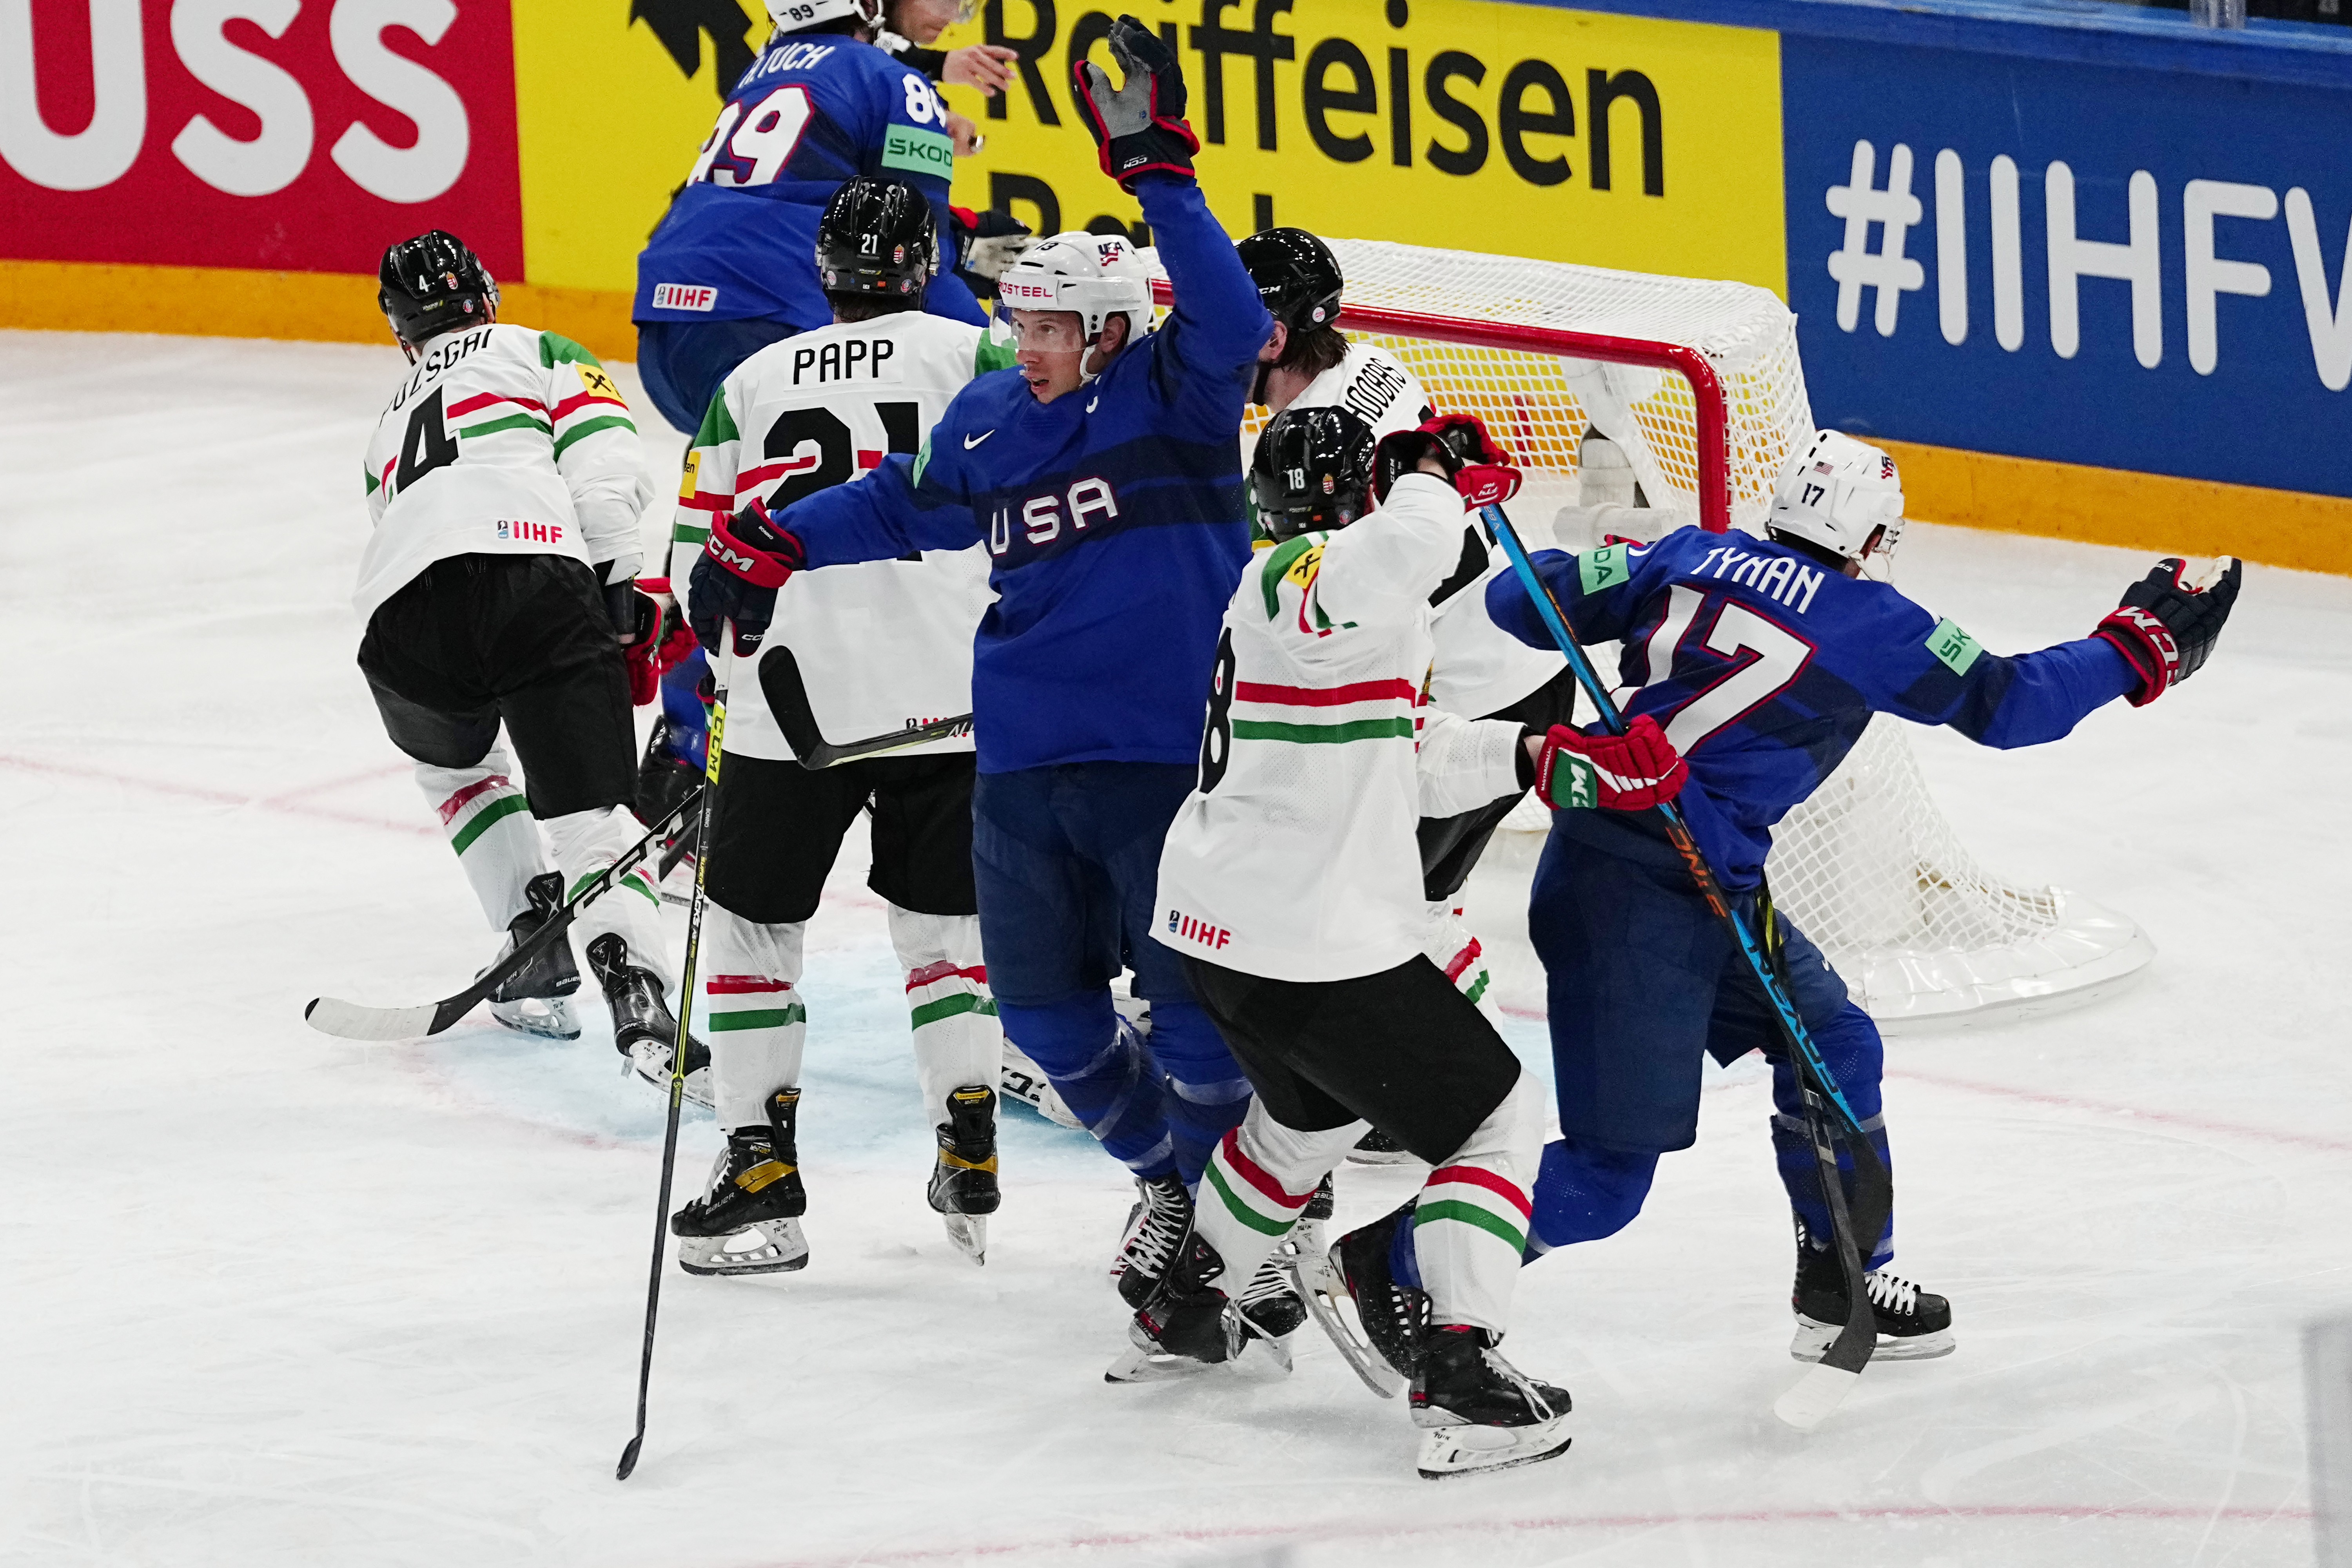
(1050, 346)
(922, 20)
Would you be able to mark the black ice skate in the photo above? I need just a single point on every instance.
(964, 1182)
(1912, 1324)
(535, 999)
(1384, 1343)
(1478, 1412)
(1187, 1325)
(748, 1220)
(1160, 1218)
(1377, 1148)
(1272, 1306)
(644, 1028)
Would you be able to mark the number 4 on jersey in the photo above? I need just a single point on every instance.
(427, 445)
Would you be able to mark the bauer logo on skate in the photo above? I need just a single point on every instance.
(685, 296)
(1198, 932)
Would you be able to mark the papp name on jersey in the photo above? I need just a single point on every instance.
(875, 359)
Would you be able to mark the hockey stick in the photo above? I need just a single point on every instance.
(709, 797)
(354, 1021)
(788, 699)
(1826, 1385)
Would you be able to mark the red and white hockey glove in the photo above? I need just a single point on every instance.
(662, 640)
(1482, 471)
(2164, 628)
(744, 561)
(1628, 772)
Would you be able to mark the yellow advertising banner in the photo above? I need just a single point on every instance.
(1474, 124)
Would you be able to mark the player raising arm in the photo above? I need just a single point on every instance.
(856, 653)
(1764, 660)
(498, 588)
(1103, 476)
(1291, 885)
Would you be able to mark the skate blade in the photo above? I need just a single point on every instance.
(1323, 1290)
(767, 1247)
(1264, 1357)
(970, 1234)
(1449, 1452)
(1814, 1338)
(548, 1018)
(650, 1062)
(1138, 1363)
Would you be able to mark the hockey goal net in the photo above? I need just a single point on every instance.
(1698, 383)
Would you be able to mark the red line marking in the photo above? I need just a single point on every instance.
(286, 806)
(1542, 1524)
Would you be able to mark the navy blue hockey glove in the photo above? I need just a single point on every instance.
(744, 561)
(1141, 127)
(2165, 628)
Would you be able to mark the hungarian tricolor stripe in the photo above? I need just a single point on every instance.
(1250, 1195)
(740, 1003)
(1360, 710)
(1476, 1196)
(943, 990)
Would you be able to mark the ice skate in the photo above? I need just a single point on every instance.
(1155, 1226)
(1478, 1412)
(1377, 1148)
(1912, 1324)
(1383, 1345)
(963, 1182)
(1187, 1325)
(644, 1030)
(536, 1001)
(748, 1221)
(1271, 1308)
(1022, 1080)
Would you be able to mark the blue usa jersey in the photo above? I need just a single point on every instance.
(1113, 518)
(1764, 666)
(814, 109)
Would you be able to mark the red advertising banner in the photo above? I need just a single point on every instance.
(302, 135)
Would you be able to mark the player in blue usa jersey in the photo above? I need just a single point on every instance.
(727, 271)
(1104, 473)
(1764, 660)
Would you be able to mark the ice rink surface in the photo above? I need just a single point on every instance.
(274, 1300)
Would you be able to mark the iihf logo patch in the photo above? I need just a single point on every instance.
(505, 528)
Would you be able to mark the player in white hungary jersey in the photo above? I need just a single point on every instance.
(853, 653)
(498, 587)
(1480, 671)
(1290, 885)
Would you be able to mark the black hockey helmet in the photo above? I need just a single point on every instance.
(876, 241)
(1313, 469)
(431, 284)
(1297, 276)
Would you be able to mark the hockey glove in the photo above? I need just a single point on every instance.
(1139, 127)
(987, 242)
(2164, 628)
(1481, 471)
(1628, 772)
(663, 639)
(744, 561)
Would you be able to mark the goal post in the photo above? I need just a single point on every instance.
(1699, 384)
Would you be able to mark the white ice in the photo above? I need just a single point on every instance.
(270, 1299)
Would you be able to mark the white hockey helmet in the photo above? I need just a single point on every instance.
(1840, 494)
(798, 15)
(1096, 276)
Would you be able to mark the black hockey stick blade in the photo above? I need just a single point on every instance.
(788, 699)
(356, 1020)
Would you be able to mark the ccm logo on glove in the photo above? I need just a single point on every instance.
(1628, 772)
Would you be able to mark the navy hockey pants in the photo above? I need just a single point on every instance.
(1066, 859)
(1642, 978)
(681, 363)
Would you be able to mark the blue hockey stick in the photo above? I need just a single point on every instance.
(1826, 1385)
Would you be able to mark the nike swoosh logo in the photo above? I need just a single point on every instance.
(972, 441)
(1092, 400)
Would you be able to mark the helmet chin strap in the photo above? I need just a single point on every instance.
(1257, 386)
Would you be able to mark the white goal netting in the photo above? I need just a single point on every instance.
(1868, 866)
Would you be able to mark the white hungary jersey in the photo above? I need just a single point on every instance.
(879, 645)
(502, 441)
(1479, 667)
(1296, 857)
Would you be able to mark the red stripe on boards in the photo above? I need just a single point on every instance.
(458, 802)
(932, 974)
(1249, 1171)
(1323, 696)
(744, 984)
(1487, 1180)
